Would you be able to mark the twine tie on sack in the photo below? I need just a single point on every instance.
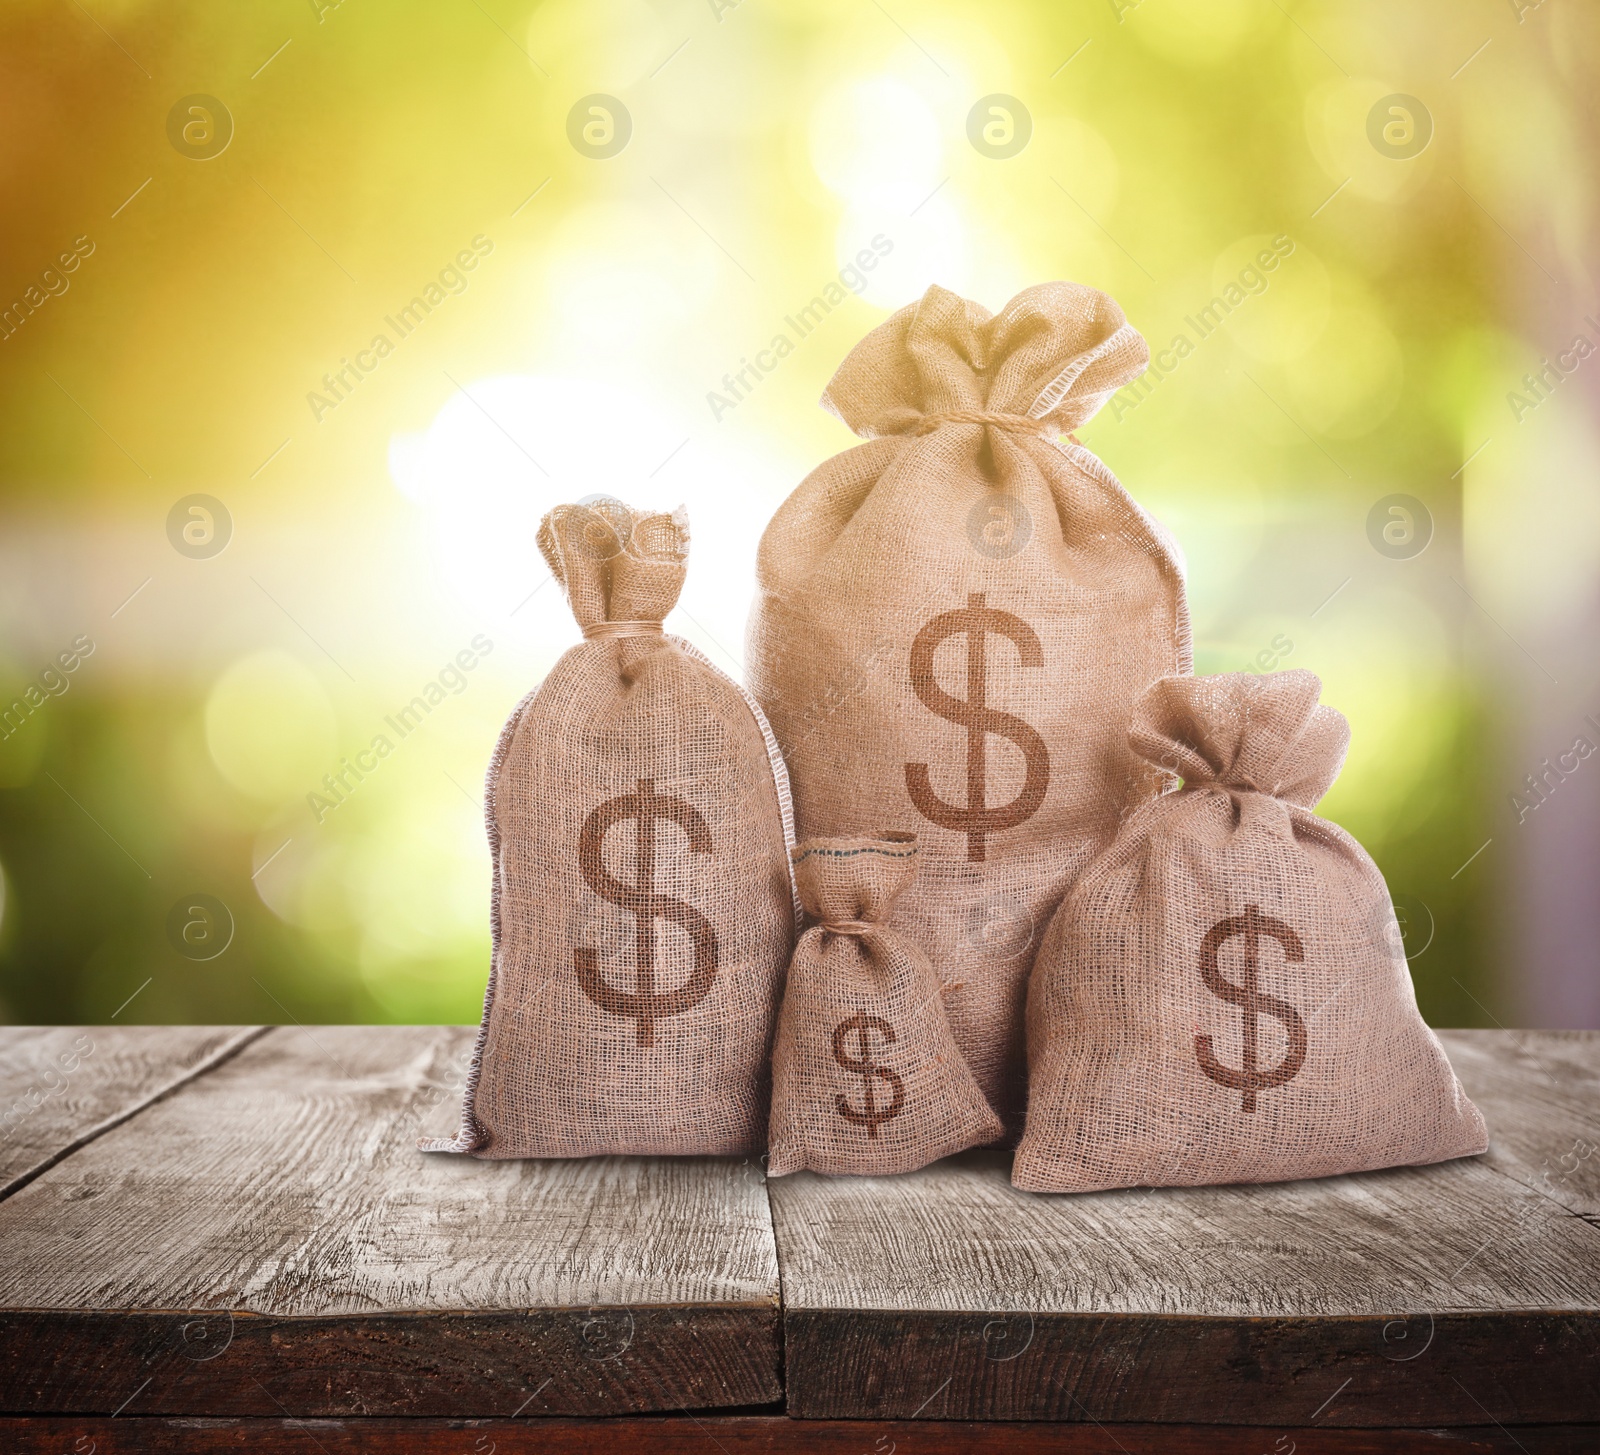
(1016, 423)
(604, 630)
(1013, 423)
(856, 927)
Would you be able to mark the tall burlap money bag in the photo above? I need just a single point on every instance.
(642, 909)
(1223, 997)
(866, 1077)
(951, 624)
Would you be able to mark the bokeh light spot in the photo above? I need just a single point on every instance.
(270, 728)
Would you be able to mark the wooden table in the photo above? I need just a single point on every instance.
(223, 1238)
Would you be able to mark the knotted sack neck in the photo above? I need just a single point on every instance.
(1012, 423)
(855, 927)
(1231, 781)
(1246, 736)
(611, 630)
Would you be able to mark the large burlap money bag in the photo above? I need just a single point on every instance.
(953, 620)
(642, 905)
(866, 1077)
(1224, 997)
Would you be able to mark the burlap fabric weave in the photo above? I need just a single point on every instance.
(643, 911)
(1224, 995)
(866, 1077)
(952, 622)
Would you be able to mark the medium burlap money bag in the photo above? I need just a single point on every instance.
(1223, 997)
(952, 622)
(642, 906)
(866, 1077)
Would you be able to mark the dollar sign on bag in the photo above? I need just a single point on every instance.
(645, 1003)
(865, 1065)
(975, 818)
(1252, 1002)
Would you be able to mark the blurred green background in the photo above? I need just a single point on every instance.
(1430, 168)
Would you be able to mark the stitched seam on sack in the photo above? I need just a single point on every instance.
(1056, 390)
(469, 1134)
(1092, 465)
(851, 853)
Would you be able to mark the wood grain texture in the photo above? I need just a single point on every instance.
(60, 1085)
(270, 1242)
(750, 1435)
(958, 1237)
(1540, 1093)
(1444, 1294)
(582, 1361)
(265, 1242)
(1537, 1368)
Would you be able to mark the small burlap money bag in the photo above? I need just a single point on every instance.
(952, 622)
(642, 905)
(866, 1077)
(1224, 995)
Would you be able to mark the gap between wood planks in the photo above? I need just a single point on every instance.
(225, 1052)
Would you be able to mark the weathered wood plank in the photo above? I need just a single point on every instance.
(958, 1237)
(1414, 1296)
(541, 1362)
(60, 1085)
(319, 1264)
(1110, 1369)
(1540, 1093)
(751, 1435)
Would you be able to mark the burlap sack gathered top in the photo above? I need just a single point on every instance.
(1224, 995)
(866, 1077)
(643, 910)
(952, 621)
